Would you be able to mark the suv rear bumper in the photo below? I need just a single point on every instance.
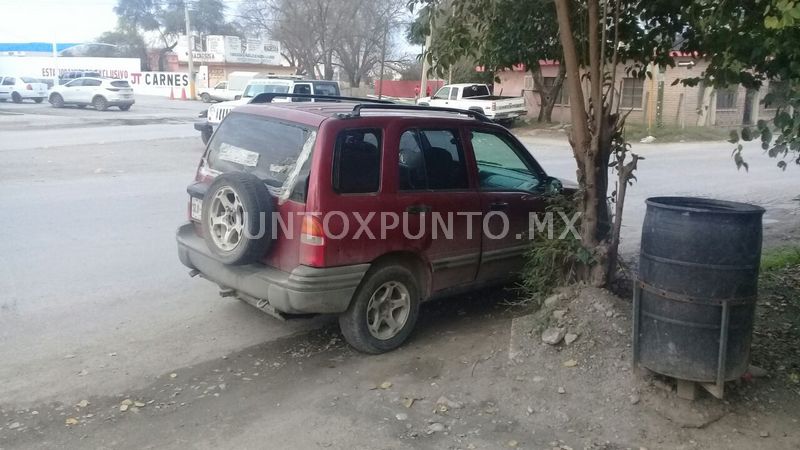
(303, 290)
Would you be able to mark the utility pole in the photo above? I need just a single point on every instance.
(423, 84)
(190, 48)
(383, 59)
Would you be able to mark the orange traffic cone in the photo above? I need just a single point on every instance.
(171, 94)
(183, 93)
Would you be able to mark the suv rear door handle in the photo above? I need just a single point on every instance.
(498, 206)
(418, 209)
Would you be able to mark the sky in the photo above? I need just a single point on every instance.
(60, 20)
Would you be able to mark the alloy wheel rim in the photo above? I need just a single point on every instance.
(388, 310)
(226, 219)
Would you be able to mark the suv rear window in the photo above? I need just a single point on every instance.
(120, 83)
(266, 148)
(326, 89)
(476, 90)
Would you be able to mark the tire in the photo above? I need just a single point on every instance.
(39, 99)
(205, 135)
(57, 101)
(355, 322)
(233, 207)
(125, 107)
(16, 98)
(100, 103)
(205, 97)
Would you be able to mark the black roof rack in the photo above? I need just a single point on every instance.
(367, 103)
(267, 97)
(474, 114)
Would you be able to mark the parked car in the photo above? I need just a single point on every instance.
(101, 93)
(215, 113)
(278, 182)
(66, 77)
(231, 89)
(18, 89)
(477, 97)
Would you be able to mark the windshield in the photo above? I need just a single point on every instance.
(268, 149)
(476, 90)
(255, 89)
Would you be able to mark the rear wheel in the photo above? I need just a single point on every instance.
(39, 99)
(57, 101)
(100, 103)
(124, 107)
(384, 310)
(205, 97)
(16, 98)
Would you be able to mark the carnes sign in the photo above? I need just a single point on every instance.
(159, 83)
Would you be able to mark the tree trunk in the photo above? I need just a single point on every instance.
(548, 95)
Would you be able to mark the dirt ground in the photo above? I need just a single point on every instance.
(476, 375)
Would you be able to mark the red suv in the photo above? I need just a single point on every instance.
(361, 210)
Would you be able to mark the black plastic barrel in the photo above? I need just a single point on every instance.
(697, 287)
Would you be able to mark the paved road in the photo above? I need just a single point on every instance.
(92, 297)
(88, 265)
(693, 169)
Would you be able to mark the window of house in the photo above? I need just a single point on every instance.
(726, 98)
(357, 162)
(561, 96)
(632, 92)
(431, 160)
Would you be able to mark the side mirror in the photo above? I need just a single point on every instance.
(553, 186)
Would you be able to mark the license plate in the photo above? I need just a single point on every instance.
(197, 208)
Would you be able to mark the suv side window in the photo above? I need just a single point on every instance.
(454, 94)
(90, 82)
(75, 83)
(431, 160)
(9, 81)
(357, 162)
(499, 164)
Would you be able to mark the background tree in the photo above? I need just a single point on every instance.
(501, 34)
(318, 35)
(751, 42)
(165, 21)
(592, 39)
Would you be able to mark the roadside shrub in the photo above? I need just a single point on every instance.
(552, 263)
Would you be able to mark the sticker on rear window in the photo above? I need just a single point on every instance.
(238, 155)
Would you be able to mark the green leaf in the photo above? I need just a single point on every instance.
(734, 137)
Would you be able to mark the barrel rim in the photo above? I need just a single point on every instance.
(704, 205)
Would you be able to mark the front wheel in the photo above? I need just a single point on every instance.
(384, 310)
(16, 98)
(205, 97)
(57, 101)
(100, 103)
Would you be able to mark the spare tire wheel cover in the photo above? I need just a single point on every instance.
(237, 218)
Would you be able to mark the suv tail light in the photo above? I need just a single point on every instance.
(312, 238)
(28, 87)
(311, 231)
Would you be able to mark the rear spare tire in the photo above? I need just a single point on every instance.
(237, 218)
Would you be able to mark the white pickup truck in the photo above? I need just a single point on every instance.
(477, 97)
(231, 89)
